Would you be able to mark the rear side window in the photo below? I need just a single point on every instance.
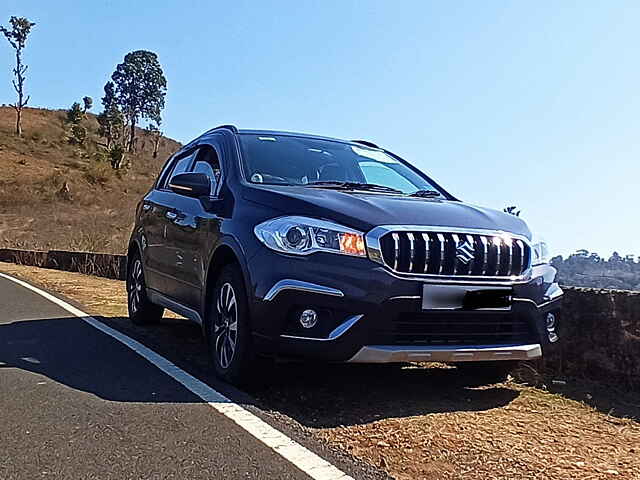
(181, 165)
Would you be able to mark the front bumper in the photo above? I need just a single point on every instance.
(398, 354)
(366, 313)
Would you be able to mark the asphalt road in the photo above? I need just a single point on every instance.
(76, 403)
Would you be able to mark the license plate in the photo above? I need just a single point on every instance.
(442, 297)
(456, 297)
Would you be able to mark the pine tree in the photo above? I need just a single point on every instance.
(111, 119)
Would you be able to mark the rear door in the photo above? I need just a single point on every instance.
(152, 230)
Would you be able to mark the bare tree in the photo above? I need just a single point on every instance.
(17, 37)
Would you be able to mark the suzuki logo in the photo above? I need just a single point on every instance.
(464, 251)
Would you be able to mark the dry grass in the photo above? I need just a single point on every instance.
(99, 296)
(417, 431)
(98, 173)
(537, 435)
(98, 210)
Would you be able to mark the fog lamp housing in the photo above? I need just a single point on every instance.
(551, 324)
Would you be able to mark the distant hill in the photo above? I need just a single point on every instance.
(587, 269)
(57, 195)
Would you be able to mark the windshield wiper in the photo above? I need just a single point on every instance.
(353, 186)
(425, 193)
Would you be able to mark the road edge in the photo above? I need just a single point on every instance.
(302, 458)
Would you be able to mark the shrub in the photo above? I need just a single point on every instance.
(97, 173)
(78, 134)
(117, 156)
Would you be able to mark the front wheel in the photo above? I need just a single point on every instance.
(229, 333)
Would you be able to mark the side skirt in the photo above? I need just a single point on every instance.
(160, 299)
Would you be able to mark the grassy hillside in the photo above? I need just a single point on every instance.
(96, 213)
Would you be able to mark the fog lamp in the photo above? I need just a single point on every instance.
(308, 318)
(551, 327)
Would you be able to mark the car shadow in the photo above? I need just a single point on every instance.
(325, 396)
(71, 352)
(608, 399)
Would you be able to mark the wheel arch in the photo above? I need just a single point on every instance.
(227, 252)
(134, 248)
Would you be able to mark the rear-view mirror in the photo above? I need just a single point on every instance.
(191, 184)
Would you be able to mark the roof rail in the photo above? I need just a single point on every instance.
(233, 128)
(367, 143)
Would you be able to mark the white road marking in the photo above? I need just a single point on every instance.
(304, 459)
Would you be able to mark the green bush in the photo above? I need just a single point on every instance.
(75, 114)
(78, 134)
(117, 156)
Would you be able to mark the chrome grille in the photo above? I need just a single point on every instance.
(455, 253)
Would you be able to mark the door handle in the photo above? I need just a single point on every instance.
(171, 215)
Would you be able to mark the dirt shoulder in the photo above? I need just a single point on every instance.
(413, 421)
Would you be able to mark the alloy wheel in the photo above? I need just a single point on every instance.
(136, 285)
(226, 325)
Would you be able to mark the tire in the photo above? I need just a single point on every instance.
(141, 310)
(484, 373)
(229, 335)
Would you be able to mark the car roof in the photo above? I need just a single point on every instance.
(236, 131)
(291, 134)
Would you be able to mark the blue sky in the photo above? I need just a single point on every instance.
(532, 104)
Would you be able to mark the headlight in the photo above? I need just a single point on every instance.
(302, 236)
(539, 251)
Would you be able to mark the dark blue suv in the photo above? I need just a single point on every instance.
(304, 247)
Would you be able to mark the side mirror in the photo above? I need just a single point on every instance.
(191, 184)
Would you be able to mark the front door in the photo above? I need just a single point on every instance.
(193, 229)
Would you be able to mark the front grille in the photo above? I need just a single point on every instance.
(459, 328)
(455, 254)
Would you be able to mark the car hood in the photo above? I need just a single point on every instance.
(365, 210)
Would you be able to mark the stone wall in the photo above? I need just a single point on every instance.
(600, 336)
(99, 264)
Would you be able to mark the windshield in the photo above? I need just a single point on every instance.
(288, 160)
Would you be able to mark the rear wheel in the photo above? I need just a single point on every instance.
(229, 333)
(141, 310)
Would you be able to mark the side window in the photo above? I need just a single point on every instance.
(181, 165)
(208, 163)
